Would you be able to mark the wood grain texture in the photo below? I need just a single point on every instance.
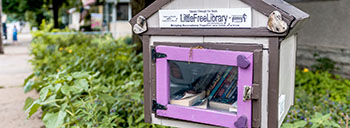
(273, 89)
(146, 79)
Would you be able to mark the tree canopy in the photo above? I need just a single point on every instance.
(34, 11)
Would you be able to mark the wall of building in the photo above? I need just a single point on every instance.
(120, 29)
(74, 21)
(327, 33)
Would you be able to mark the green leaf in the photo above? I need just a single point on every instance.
(66, 90)
(287, 125)
(300, 124)
(43, 93)
(130, 120)
(103, 108)
(31, 76)
(82, 84)
(79, 75)
(107, 98)
(140, 118)
(54, 120)
(33, 108)
(57, 87)
(28, 86)
(28, 103)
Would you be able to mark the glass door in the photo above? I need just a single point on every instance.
(204, 85)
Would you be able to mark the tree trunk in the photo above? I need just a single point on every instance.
(1, 47)
(55, 9)
(137, 6)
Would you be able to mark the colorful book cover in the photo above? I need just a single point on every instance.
(216, 80)
(213, 92)
(221, 85)
(225, 84)
(233, 98)
(232, 86)
(233, 91)
(229, 83)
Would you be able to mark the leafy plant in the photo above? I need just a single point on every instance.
(324, 64)
(86, 81)
(321, 100)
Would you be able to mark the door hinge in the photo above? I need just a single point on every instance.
(156, 55)
(156, 106)
(256, 92)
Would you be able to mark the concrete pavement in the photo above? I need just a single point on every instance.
(14, 68)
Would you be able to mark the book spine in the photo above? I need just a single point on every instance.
(230, 83)
(233, 97)
(233, 91)
(220, 83)
(225, 84)
(228, 89)
(221, 90)
(216, 80)
(234, 84)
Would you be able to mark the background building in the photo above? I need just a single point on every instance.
(326, 34)
(116, 14)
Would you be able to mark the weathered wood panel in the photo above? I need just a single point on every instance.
(287, 73)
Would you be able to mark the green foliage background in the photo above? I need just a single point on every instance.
(86, 81)
(322, 100)
(96, 81)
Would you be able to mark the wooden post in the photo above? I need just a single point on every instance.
(1, 47)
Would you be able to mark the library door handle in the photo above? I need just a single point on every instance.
(247, 94)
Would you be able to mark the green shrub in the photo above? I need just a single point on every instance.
(86, 81)
(322, 100)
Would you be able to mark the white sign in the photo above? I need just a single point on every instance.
(206, 18)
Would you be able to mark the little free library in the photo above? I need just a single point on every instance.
(218, 63)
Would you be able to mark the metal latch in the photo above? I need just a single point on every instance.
(247, 94)
(156, 106)
(156, 55)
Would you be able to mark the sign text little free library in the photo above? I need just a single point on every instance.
(206, 18)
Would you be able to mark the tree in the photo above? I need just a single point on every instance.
(34, 11)
(56, 4)
(137, 6)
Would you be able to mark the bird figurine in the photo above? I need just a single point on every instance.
(141, 25)
(276, 24)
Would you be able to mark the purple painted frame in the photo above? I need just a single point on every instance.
(208, 56)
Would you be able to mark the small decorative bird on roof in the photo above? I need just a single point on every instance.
(276, 24)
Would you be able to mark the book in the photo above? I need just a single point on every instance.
(222, 106)
(232, 92)
(233, 97)
(218, 85)
(232, 86)
(189, 100)
(226, 84)
(203, 104)
(216, 80)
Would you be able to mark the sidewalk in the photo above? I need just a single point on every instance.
(14, 68)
